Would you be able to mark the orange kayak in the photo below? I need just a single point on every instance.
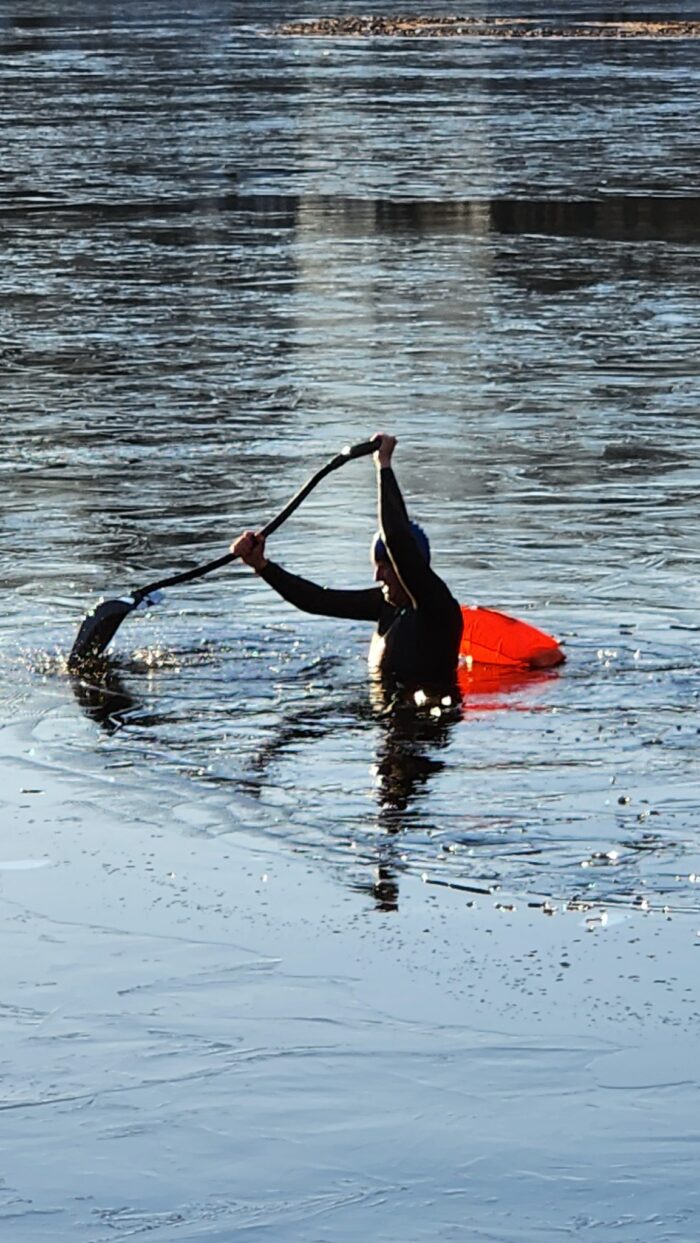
(493, 638)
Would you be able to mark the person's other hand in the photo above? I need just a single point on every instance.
(382, 455)
(251, 549)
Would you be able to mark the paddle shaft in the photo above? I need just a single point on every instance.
(363, 449)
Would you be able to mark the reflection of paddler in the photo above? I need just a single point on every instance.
(419, 622)
(421, 631)
(103, 696)
(412, 728)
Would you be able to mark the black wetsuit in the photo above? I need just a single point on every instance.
(418, 642)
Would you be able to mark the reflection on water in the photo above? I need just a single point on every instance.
(644, 217)
(506, 789)
(406, 736)
(103, 697)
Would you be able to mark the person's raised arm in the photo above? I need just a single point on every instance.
(423, 586)
(363, 605)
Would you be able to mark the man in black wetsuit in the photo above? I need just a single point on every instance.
(419, 622)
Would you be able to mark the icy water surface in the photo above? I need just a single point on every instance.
(238, 882)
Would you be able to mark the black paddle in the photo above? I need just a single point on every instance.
(100, 626)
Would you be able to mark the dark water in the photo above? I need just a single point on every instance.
(225, 255)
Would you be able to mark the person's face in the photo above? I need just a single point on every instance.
(392, 587)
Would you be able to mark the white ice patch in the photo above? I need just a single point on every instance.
(22, 865)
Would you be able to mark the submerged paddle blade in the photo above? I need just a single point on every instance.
(99, 628)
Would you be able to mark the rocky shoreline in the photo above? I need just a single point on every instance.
(486, 28)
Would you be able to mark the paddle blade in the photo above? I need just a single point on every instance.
(99, 628)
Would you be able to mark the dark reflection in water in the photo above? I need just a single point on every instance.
(404, 737)
(408, 734)
(404, 730)
(633, 217)
(103, 696)
(405, 762)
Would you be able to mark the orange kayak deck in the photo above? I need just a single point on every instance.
(493, 638)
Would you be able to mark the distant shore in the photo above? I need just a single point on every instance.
(487, 28)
